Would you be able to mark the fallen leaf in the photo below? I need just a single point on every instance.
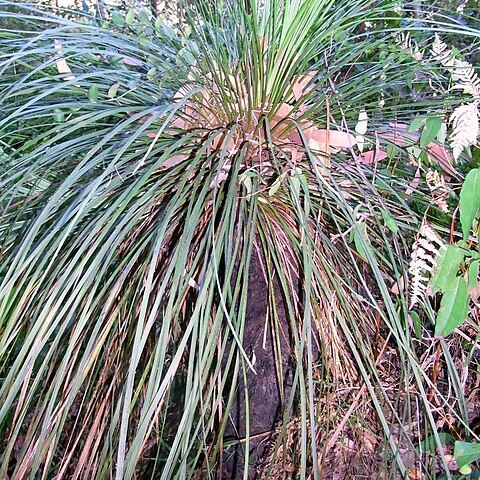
(303, 85)
(414, 184)
(438, 154)
(330, 141)
(372, 156)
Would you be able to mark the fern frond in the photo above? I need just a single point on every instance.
(464, 121)
(409, 46)
(440, 49)
(460, 70)
(423, 261)
(468, 78)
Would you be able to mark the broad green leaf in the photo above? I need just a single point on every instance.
(453, 308)
(475, 156)
(246, 179)
(393, 19)
(130, 17)
(392, 151)
(93, 93)
(430, 130)
(448, 263)
(295, 185)
(144, 17)
(389, 221)
(466, 452)
(416, 123)
(58, 115)
(442, 134)
(415, 151)
(144, 41)
(168, 31)
(276, 185)
(117, 18)
(465, 470)
(409, 80)
(112, 91)
(358, 232)
(473, 275)
(151, 73)
(469, 200)
(185, 56)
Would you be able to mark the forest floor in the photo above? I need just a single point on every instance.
(353, 445)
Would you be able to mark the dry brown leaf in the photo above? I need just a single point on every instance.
(173, 161)
(303, 85)
(414, 474)
(436, 153)
(439, 155)
(283, 112)
(414, 184)
(372, 156)
(330, 141)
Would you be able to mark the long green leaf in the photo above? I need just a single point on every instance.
(453, 307)
(469, 200)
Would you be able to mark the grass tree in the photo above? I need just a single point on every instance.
(145, 167)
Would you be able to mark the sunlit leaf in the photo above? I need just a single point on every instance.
(473, 270)
(130, 17)
(58, 115)
(117, 18)
(61, 63)
(112, 91)
(389, 221)
(416, 124)
(360, 233)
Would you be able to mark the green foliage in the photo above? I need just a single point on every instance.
(453, 307)
(466, 453)
(469, 201)
(448, 266)
(429, 444)
(449, 278)
(144, 169)
(430, 130)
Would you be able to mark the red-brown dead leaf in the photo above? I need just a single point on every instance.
(438, 154)
(283, 112)
(372, 156)
(303, 85)
(414, 184)
(330, 141)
